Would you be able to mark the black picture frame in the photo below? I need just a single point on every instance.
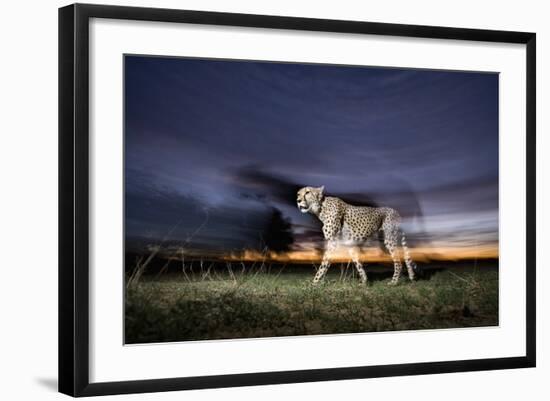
(74, 191)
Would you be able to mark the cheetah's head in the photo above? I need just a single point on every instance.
(309, 199)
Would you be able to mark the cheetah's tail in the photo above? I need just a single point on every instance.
(411, 265)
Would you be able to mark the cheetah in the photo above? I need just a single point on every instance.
(353, 226)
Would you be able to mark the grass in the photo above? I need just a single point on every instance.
(175, 307)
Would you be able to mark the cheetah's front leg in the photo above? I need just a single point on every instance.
(329, 250)
(354, 254)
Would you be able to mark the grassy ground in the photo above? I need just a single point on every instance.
(178, 308)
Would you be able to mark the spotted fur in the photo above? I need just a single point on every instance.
(353, 226)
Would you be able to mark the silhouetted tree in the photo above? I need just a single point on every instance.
(278, 233)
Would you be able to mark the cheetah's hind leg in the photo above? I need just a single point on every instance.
(390, 240)
(411, 266)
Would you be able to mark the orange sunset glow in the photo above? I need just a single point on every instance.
(421, 254)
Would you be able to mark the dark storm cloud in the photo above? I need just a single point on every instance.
(155, 214)
(172, 218)
(262, 185)
(256, 183)
(239, 138)
(474, 195)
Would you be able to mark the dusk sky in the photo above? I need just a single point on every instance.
(213, 147)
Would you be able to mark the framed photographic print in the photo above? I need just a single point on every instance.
(249, 199)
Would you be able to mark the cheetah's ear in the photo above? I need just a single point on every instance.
(321, 189)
